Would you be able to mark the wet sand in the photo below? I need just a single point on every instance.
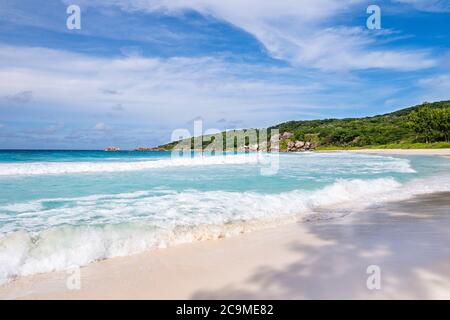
(326, 259)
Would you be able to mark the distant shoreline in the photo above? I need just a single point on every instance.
(398, 151)
(423, 152)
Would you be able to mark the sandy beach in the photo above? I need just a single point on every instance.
(411, 152)
(326, 259)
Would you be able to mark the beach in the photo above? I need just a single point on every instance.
(325, 259)
(327, 219)
(423, 152)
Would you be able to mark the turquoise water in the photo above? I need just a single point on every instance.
(66, 208)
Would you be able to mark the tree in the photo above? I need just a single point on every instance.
(442, 119)
(431, 123)
(421, 121)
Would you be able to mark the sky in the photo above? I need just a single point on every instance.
(139, 69)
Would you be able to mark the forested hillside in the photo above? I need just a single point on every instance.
(406, 126)
(425, 125)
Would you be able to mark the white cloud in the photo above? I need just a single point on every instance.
(152, 89)
(428, 5)
(299, 31)
(442, 81)
(346, 48)
(435, 88)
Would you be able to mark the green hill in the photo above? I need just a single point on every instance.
(403, 128)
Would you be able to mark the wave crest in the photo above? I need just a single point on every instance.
(312, 162)
(135, 222)
(41, 168)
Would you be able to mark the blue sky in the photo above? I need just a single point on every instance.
(138, 69)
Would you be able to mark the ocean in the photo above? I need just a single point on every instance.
(60, 209)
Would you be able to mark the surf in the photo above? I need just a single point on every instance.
(40, 239)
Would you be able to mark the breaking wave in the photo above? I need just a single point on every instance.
(42, 168)
(314, 162)
(66, 232)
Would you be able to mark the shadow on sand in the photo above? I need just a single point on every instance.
(408, 240)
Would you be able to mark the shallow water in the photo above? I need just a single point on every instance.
(64, 208)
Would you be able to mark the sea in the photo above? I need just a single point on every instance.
(60, 209)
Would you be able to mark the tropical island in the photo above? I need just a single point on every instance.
(424, 126)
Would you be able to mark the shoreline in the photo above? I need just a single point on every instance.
(422, 152)
(318, 259)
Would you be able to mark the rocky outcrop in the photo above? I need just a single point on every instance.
(278, 142)
(286, 135)
(290, 145)
(112, 149)
(295, 145)
(298, 146)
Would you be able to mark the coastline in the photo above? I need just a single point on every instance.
(421, 152)
(319, 259)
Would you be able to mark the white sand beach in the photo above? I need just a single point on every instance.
(411, 152)
(326, 259)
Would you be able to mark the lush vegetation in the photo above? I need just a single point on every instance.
(433, 145)
(416, 127)
(423, 126)
(207, 140)
(431, 124)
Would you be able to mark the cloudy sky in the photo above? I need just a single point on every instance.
(138, 69)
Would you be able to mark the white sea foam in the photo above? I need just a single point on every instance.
(310, 162)
(41, 168)
(85, 229)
